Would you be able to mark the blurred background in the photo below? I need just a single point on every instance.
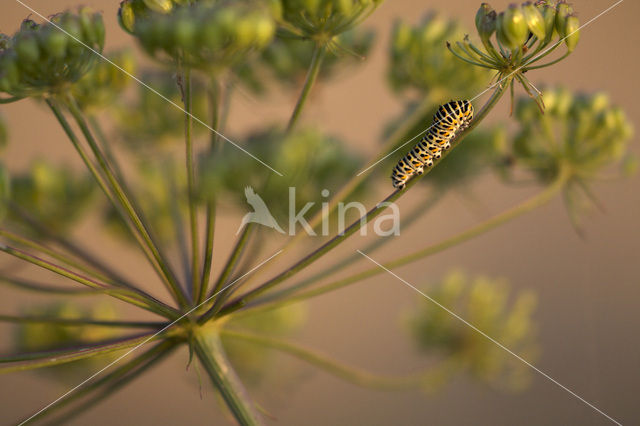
(587, 319)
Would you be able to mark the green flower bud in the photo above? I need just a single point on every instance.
(563, 10)
(572, 32)
(535, 20)
(27, 49)
(55, 44)
(160, 6)
(549, 16)
(126, 16)
(28, 25)
(514, 26)
(184, 32)
(486, 21)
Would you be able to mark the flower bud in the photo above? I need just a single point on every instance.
(126, 16)
(514, 26)
(562, 11)
(548, 12)
(160, 6)
(55, 44)
(486, 21)
(535, 20)
(630, 165)
(572, 32)
(27, 49)
(28, 25)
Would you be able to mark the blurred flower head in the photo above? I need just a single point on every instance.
(38, 337)
(54, 195)
(419, 61)
(488, 305)
(206, 35)
(322, 20)
(310, 161)
(149, 122)
(580, 135)
(105, 83)
(48, 57)
(255, 363)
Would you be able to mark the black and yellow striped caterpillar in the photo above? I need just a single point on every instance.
(450, 119)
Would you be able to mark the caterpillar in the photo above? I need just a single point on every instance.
(450, 119)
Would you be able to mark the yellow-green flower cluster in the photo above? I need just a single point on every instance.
(46, 58)
(54, 195)
(584, 133)
(204, 36)
(488, 305)
(579, 138)
(105, 82)
(418, 60)
(322, 20)
(517, 39)
(149, 123)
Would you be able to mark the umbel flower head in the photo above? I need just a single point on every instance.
(101, 86)
(485, 303)
(417, 61)
(207, 36)
(322, 20)
(579, 135)
(48, 57)
(515, 40)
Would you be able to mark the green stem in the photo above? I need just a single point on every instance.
(555, 61)
(42, 288)
(126, 203)
(81, 322)
(130, 296)
(351, 374)
(354, 227)
(407, 221)
(105, 145)
(312, 74)
(36, 360)
(522, 208)
(191, 178)
(210, 351)
(234, 257)
(214, 100)
(81, 253)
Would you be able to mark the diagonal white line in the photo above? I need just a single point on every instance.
(147, 340)
(151, 89)
(493, 85)
(476, 329)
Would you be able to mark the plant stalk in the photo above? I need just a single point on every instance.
(210, 351)
(312, 74)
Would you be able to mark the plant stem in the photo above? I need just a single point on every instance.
(418, 212)
(211, 354)
(191, 178)
(355, 226)
(234, 257)
(319, 51)
(70, 246)
(351, 374)
(210, 229)
(125, 201)
(129, 296)
(38, 287)
(522, 208)
(82, 322)
(36, 360)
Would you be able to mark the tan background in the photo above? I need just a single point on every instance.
(589, 298)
